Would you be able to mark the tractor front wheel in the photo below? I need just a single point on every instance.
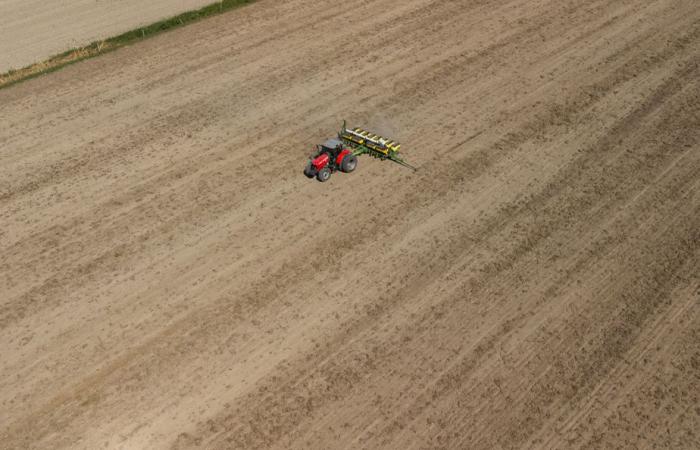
(349, 163)
(310, 170)
(323, 174)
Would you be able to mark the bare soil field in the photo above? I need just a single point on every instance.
(34, 30)
(170, 279)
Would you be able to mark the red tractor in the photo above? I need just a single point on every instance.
(329, 157)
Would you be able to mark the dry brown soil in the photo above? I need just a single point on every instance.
(170, 279)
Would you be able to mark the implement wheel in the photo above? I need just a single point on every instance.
(349, 163)
(323, 174)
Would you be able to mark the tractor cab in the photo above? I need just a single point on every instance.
(332, 146)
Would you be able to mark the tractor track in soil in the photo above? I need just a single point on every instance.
(170, 279)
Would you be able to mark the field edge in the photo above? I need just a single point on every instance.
(97, 48)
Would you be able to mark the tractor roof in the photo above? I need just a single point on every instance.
(332, 143)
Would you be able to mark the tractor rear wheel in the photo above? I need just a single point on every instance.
(323, 174)
(349, 163)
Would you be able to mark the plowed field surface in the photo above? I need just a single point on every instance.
(170, 279)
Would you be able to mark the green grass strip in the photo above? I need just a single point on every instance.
(97, 48)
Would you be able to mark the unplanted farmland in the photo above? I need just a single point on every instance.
(171, 279)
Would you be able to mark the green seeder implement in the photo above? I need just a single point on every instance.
(364, 142)
(340, 154)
